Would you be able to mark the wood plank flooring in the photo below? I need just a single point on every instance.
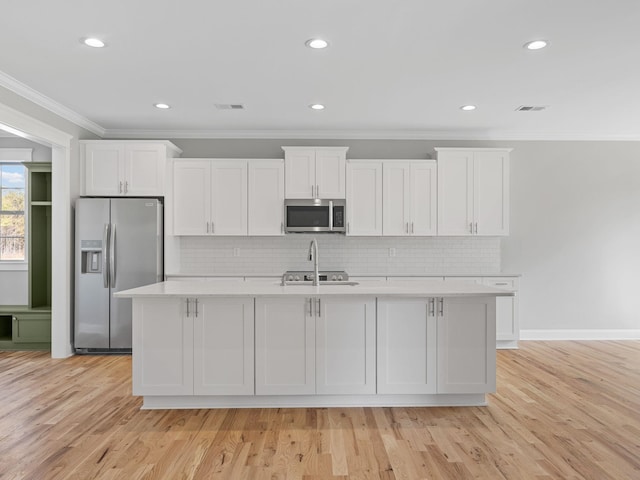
(563, 410)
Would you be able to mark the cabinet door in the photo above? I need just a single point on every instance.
(424, 196)
(223, 346)
(407, 346)
(300, 173)
(364, 198)
(31, 328)
(455, 193)
(491, 193)
(506, 308)
(467, 345)
(229, 197)
(103, 169)
(144, 170)
(330, 173)
(285, 346)
(396, 198)
(266, 197)
(345, 346)
(191, 200)
(162, 347)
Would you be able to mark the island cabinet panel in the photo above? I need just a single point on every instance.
(223, 346)
(407, 343)
(466, 345)
(285, 346)
(162, 347)
(346, 346)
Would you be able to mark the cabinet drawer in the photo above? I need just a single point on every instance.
(506, 283)
(31, 328)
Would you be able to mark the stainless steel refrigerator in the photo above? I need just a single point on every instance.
(118, 246)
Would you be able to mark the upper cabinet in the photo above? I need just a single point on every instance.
(315, 172)
(364, 197)
(210, 197)
(266, 197)
(125, 168)
(227, 197)
(409, 197)
(473, 191)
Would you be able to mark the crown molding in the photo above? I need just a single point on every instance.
(496, 135)
(43, 101)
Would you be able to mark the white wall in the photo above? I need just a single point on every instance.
(575, 234)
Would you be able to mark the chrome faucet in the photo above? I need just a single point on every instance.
(313, 255)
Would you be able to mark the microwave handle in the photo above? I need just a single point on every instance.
(330, 215)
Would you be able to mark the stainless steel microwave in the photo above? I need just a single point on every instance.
(315, 215)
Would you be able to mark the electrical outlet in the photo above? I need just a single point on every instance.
(392, 252)
(236, 252)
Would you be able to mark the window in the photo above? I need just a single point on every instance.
(12, 218)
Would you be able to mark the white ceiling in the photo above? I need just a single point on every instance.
(394, 69)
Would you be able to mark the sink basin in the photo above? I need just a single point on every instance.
(327, 283)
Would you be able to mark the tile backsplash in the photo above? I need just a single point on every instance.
(357, 255)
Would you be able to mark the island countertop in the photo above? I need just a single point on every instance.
(426, 288)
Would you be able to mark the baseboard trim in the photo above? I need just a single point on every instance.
(598, 334)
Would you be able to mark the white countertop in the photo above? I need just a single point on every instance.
(427, 288)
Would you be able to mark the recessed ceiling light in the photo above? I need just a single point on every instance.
(536, 44)
(468, 108)
(161, 106)
(317, 106)
(93, 42)
(317, 43)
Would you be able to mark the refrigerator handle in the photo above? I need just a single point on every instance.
(112, 257)
(105, 255)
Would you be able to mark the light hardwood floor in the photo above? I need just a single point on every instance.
(563, 410)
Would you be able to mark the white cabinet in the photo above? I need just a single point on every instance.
(187, 346)
(409, 198)
(315, 172)
(407, 346)
(507, 327)
(315, 345)
(364, 197)
(118, 168)
(223, 346)
(162, 347)
(210, 197)
(473, 191)
(466, 344)
(285, 346)
(266, 197)
(345, 346)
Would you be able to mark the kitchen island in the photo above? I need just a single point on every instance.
(203, 345)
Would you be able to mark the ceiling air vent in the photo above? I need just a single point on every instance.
(530, 108)
(229, 106)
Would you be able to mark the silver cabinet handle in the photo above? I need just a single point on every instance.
(313, 193)
(310, 307)
(213, 228)
(126, 187)
(319, 308)
(441, 313)
(471, 227)
(432, 307)
(411, 228)
(476, 227)
(188, 302)
(207, 227)
(318, 191)
(120, 188)
(501, 283)
(196, 308)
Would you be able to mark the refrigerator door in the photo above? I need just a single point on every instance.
(135, 257)
(91, 322)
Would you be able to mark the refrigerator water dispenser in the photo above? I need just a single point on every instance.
(91, 255)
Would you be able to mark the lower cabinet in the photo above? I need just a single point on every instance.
(187, 346)
(466, 345)
(223, 346)
(407, 346)
(315, 345)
